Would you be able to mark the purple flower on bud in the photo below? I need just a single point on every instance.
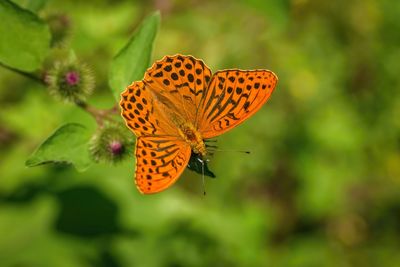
(72, 78)
(116, 147)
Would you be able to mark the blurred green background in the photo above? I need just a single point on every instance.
(320, 188)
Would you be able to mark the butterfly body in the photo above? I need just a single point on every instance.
(179, 104)
(193, 137)
(187, 131)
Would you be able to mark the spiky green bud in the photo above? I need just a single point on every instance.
(111, 143)
(70, 81)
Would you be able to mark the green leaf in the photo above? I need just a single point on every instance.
(68, 144)
(36, 5)
(132, 61)
(24, 38)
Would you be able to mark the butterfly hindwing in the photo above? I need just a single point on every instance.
(159, 162)
(232, 97)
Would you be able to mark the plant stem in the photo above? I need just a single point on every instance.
(100, 115)
(28, 75)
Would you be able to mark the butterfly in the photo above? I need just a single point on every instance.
(178, 105)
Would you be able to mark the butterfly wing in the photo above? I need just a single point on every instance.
(231, 97)
(142, 114)
(180, 80)
(161, 154)
(159, 162)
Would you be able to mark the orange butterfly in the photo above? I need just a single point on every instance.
(180, 103)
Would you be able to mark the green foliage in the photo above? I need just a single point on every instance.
(68, 144)
(134, 58)
(39, 214)
(73, 82)
(24, 38)
(36, 5)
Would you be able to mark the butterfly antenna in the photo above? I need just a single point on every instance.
(202, 176)
(223, 150)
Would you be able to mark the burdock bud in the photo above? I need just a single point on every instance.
(111, 143)
(60, 28)
(70, 81)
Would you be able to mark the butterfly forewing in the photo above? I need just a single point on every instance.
(232, 97)
(141, 114)
(182, 80)
(159, 162)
